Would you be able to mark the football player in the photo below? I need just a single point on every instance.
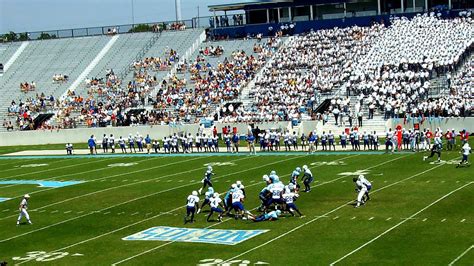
(191, 203)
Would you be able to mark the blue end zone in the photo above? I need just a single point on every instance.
(4, 199)
(40, 183)
(211, 236)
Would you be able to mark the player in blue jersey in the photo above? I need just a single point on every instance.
(206, 181)
(216, 206)
(271, 216)
(294, 177)
(307, 178)
(235, 143)
(91, 144)
(251, 143)
(148, 143)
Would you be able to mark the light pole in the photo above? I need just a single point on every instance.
(177, 5)
(133, 13)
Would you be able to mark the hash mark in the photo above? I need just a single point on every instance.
(388, 219)
(444, 220)
(66, 212)
(371, 218)
(353, 218)
(463, 220)
(424, 220)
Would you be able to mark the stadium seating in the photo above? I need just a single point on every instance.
(378, 70)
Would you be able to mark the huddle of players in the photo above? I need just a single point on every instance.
(275, 197)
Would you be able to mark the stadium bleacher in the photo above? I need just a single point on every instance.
(378, 68)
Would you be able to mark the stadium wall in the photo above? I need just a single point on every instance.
(81, 135)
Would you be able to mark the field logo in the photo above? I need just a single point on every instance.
(212, 236)
(333, 163)
(4, 199)
(358, 172)
(220, 164)
(451, 162)
(121, 164)
(33, 165)
(42, 256)
(220, 262)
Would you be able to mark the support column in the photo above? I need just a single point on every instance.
(450, 4)
(379, 9)
(268, 15)
(278, 14)
(426, 6)
(345, 10)
(289, 14)
(402, 5)
(311, 17)
(414, 5)
(215, 25)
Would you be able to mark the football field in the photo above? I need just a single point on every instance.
(90, 211)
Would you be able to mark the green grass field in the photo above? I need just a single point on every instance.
(419, 213)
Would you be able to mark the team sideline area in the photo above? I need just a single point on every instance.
(129, 210)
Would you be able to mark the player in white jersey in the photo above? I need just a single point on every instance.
(111, 142)
(23, 210)
(191, 203)
(363, 187)
(216, 206)
(237, 199)
(207, 198)
(276, 189)
(465, 150)
(289, 197)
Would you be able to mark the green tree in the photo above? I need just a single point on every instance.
(141, 28)
(23, 36)
(46, 36)
(10, 37)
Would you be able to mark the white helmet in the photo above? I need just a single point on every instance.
(216, 195)
(273, 172)
(305, 167)
(298, 169)
(291, 186)
(195, 193)
(210, 190)
(27, 196)
(238, 183)
(209, 167)
(233, 186)
(278, 212)
(265, 178)
(361, 176)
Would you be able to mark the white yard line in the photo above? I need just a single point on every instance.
(398, 224)
(115, 187)
(162, 213)
(139, 198)
(53, 169)
(16, 168)
(76, 173)
(460, 256)
(317, 217)
(327, 213)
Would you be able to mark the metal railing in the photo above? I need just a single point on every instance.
(97, 31)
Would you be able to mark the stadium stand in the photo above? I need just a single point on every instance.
(165, 77)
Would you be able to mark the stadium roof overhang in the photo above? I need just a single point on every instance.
(264, 4)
